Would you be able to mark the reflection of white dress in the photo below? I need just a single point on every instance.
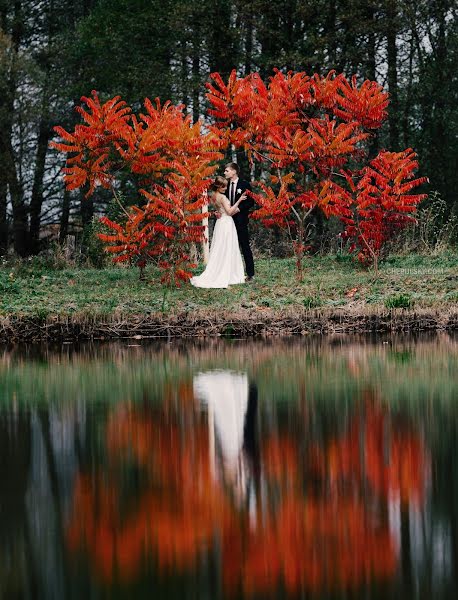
(226, 397)
(225, 266)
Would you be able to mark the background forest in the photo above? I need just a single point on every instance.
(54, 51)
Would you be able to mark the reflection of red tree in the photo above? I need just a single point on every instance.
(311, 544)
(177, 514)
(393, 459)
(305, 537)
(396, 460)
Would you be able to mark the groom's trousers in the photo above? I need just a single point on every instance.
(244, 243)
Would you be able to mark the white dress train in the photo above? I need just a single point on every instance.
(225, 266)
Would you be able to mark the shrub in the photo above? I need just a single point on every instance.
(399, 301)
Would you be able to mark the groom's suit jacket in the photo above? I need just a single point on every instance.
(245, 206)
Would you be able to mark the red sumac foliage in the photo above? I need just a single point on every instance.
(310, 134)
(169, 159)
(381, 202)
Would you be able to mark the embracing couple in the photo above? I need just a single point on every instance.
(230, 235)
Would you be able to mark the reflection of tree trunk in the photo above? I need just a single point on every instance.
(406, 551)
(52, 471)
(15, 453)
(43, 416)
(452, 498)
(32, 568)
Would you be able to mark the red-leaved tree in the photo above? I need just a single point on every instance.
(170, 161)
(310, 135)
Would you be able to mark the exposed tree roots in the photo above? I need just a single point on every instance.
(241, 324)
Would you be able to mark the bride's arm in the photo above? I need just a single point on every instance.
(230, 210)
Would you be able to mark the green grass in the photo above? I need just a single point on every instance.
(328, 282)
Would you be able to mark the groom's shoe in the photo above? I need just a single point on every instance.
(250, 279)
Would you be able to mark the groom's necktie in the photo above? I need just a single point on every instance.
(232, 192)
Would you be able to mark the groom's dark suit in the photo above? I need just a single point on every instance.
(241, 221)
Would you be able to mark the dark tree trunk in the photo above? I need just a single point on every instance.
(3, 213)
(331, 27)
(196, 73)
(408, 99)
(184, 73)
(371, 70)
(439, 132)
(248, 44)
(87, 211)
(36, 201)
(371, 66)
(392, 58)
(65, 216)
(20, 216)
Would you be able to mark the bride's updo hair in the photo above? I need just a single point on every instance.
(217, 184)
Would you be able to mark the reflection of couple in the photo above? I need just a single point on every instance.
(232, 405)
(225, 266)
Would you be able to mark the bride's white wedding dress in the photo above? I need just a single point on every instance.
(225, 266)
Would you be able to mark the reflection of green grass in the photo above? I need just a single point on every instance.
(328, 282)
(403, 374)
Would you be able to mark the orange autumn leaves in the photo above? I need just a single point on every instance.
(311, 133)
(164, 156)
(320, 522)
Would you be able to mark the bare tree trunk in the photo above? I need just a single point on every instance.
(184, 73)
(372, 66)
(44, 133)
(87, 211)
(392, 57)
(3, 214)
(249, 43)
(371, 72)
(331, 29)
(408, 99)
(20, 216)
(65, 216)
(196, 73)
(36, 201)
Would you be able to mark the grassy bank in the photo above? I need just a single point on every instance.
(332, 285)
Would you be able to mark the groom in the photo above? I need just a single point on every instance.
(235, 188)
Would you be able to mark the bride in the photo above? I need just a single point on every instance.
(225, 266)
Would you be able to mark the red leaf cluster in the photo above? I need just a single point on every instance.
(170, 159)
(310, 133)
(382, 203)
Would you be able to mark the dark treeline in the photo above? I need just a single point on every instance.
(54, 51)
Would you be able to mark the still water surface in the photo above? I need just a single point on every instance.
(323, 468)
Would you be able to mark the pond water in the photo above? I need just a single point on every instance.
(302, 468)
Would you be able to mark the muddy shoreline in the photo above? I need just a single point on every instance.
(240, 324)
